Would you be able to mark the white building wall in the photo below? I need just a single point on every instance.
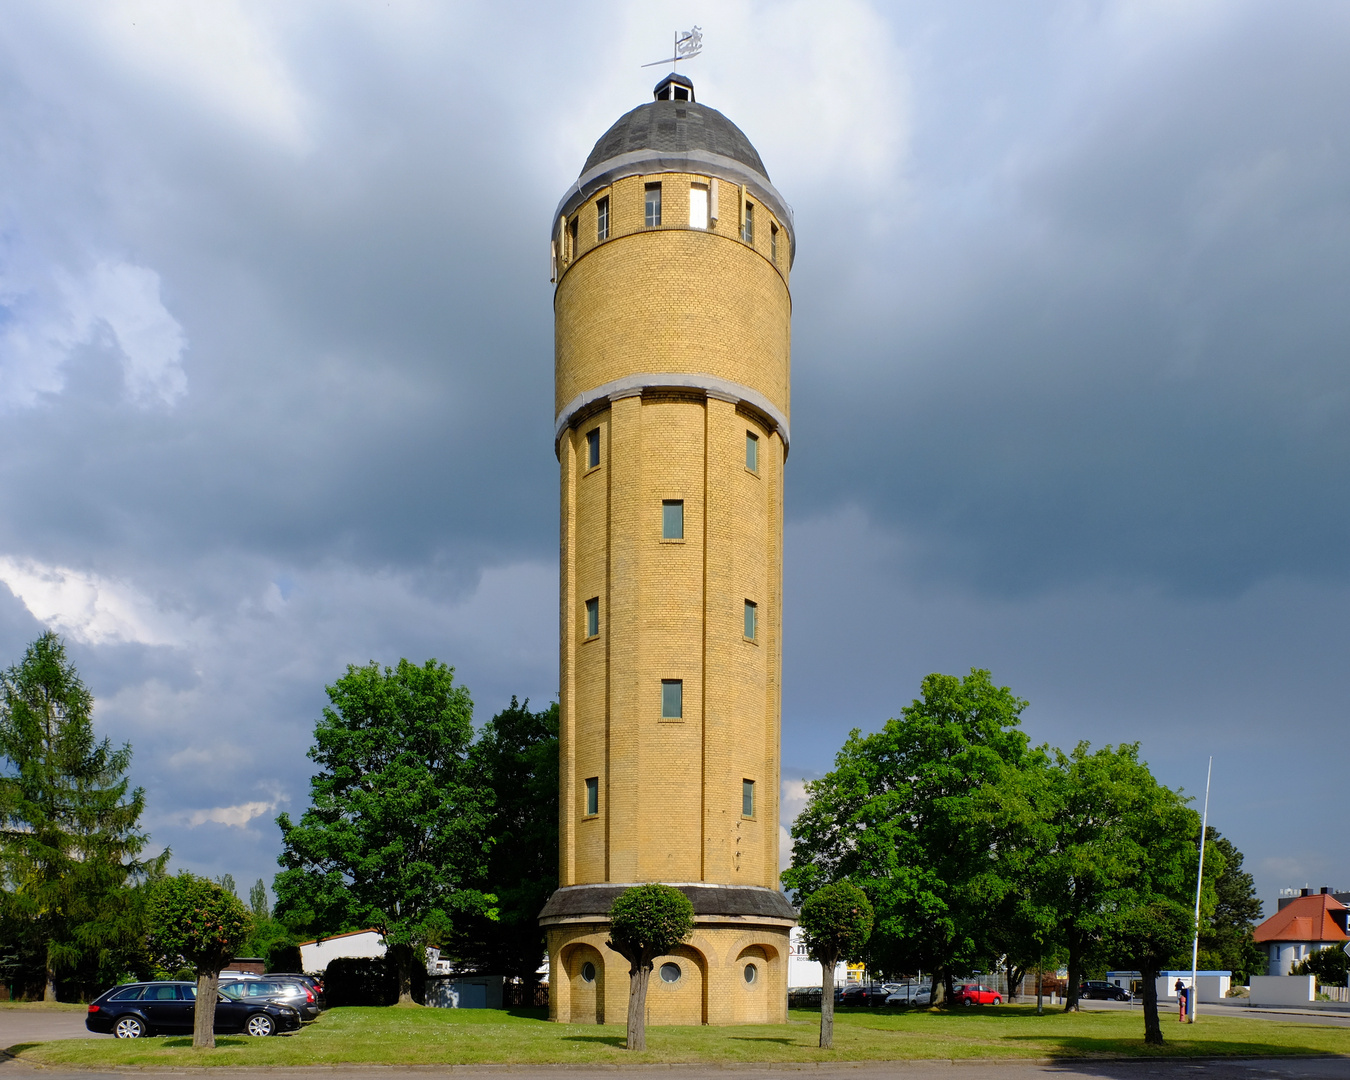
(802, 970)
(315, 956)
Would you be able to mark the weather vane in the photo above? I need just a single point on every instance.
(688, 44)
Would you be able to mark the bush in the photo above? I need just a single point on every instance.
(283, 956)
(362, 980)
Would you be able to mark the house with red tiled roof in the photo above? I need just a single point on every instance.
(1301, 927)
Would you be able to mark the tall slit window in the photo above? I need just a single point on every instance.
(747, 798)
(592, 796)
(672, 519)
(672, 699)
(698, 206)
(748, 229)
(572, 239)
(592, 448)
(751, 619)
(602, 219)
(652, 204)
(593, 616)
(752, 451)
(773, 243)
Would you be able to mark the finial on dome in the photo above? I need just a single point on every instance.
(674, 87)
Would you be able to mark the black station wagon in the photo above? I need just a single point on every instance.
(169, 1008)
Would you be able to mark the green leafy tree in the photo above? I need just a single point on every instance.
(516, 759)
(1121, 842)
(195, 922)
(257, 902)
(226, 882)
(645, 922)
(902, 816)
(70, 835)
(1151, 937)
(396, 834)
(1226, 941)
(836, 921)
(1330, 965)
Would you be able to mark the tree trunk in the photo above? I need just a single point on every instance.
(49, 989)
(827, 1003)
(1152, 1029)
(403, 960)
(638, 974)
(937, 989)
(204, 1012)
(1071, 991)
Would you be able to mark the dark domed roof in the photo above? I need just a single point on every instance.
(675, 127)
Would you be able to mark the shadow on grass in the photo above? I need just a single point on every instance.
(608, 1040)
(763, 1038)
(527, 1012)
(1077, 1046)
(14, 1051)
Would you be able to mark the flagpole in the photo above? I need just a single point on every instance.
(1194, 995)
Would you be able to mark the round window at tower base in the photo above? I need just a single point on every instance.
(751, 973)
(670, 972)
(588, 972)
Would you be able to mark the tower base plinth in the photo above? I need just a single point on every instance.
(732, 970)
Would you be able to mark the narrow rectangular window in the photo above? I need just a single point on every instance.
(653, 205)
(602, 219)
(752, 451)
(592, 795)
(592, 616)
(747, 798)
(672, 699)
(592, 448)
(572, 237)
(698, 206)
(748, 231)
(773, 244)
(672, 519)
(751, 619)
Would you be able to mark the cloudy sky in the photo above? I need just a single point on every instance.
(1072, 399)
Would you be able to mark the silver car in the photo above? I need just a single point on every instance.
(914, 994)
(290, 992)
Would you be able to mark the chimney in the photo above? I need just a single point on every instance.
(1305, 892)
(1325, 890)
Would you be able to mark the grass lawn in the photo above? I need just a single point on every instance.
(43, 1006)
(413, 1036)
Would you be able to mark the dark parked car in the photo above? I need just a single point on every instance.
(1103, 991)
(863, 995)
(163, 1008)
(309, 980)
(292, 992)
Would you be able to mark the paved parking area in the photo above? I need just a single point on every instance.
(41, 1025)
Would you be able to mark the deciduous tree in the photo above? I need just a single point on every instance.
(1150, 937)
(899, 816)
(194, 921)
(516, 758)
(396, 834)
(645, 922)
(836, 921)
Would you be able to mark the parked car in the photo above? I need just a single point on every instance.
(291, 992)
(914, 994)
(804, 997)
(312, 981)
(976, 994)
(1103, 991)
(161, 1008)
(863, 995)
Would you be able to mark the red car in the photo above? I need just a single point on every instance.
(976, 994)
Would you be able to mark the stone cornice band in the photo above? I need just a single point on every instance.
(711, 385)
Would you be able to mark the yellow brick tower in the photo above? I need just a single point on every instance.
(671, 256)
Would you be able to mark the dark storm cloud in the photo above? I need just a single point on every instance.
(1069, 368)
(1129, 360)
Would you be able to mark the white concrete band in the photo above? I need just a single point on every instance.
(711, 385)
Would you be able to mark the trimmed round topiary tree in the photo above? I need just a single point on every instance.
(836, 922)
(646, 921)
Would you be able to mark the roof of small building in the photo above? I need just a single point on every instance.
(675, 127)
(1307, 919)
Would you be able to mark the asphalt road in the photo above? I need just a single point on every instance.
(39, 1025)
(1288, 1016)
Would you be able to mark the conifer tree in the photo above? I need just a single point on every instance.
(70, 835)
